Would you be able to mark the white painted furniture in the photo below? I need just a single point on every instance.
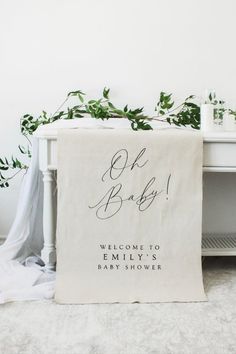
(219, 156)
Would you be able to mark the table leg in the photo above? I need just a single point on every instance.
(48, 253)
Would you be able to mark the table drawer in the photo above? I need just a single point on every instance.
(215, 154)
(219, 154)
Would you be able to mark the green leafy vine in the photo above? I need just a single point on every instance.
(185, 114)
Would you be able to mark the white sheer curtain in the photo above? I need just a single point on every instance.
(22, 274)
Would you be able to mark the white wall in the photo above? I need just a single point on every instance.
(136, 47)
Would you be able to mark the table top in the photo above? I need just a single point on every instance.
(49, 131)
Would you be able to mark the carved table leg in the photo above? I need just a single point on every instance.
(48, 253)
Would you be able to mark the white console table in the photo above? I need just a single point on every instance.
(219, 156)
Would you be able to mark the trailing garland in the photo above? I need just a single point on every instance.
(185, 114)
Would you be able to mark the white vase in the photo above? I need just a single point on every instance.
(207, 117)
(228, 122)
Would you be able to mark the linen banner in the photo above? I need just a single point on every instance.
(129, 216)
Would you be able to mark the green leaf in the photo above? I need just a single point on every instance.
(22, 149)
(190, 97)
(106, 93)
(4, 168)
(81, 98)
(111, 105)
(78, 94)
(75, 93)
(69, 114)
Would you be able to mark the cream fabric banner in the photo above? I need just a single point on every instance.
(129, 216)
